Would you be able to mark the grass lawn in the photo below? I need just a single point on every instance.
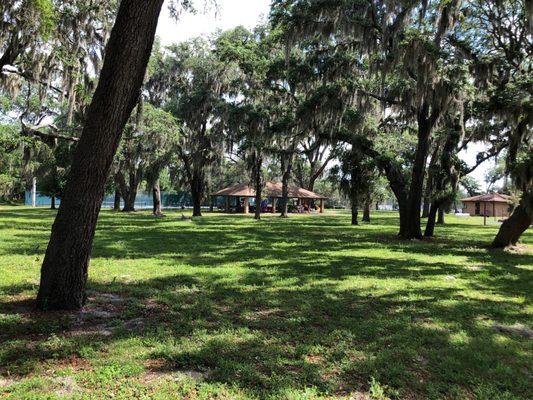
(300, 308)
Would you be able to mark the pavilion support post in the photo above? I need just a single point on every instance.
(227, 204)
(211, 203)
(34, 192)
(321, 206)
(246, 205)
(274, 201)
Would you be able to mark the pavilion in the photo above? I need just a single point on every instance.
(272, 192)
(489, 205)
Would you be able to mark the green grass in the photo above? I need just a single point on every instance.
(300, 308)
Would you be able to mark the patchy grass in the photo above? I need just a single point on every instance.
(300, 308)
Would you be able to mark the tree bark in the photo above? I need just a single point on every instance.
(258, 188)
(129, 191)
(196, 194)
(354, 214)
(440, 217)
(116, 201)
(426, 207)
(412, 228)
(366, 212)
(12, 51)
(354, 196)
(404, 216)
(65, 266)
(287, 167)
(513, 227)
(156, 196)
(430, 224)
(129, 200)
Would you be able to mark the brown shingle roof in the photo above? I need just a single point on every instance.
(272, 189)
(490, 197)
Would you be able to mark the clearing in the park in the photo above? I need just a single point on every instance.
(299, 308)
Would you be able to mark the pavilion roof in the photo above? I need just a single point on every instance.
(272, 189)
(490, 197)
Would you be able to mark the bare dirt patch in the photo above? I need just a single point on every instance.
(161, 370)
(67, 386)
(5, 382)
(516, 329)
(74, 362)
(519, 249)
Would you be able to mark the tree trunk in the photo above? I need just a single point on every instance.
(53, 203)
(366, 212)
(258, 189)
(129, 200)
(425, 207)
(196, 194)
(156, 196)
(513, 227)
(377, 205)
(354, 196)
(354, 214)
(354, 202)
(129, 203)
(116, 201)
(430, 224)
(65, 266)
(285, 185)
(311, 186)
(440, 218)
(412, 228)
(404, 215)
(130, 194)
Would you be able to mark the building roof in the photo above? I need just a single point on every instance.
(272, 189)
(490, 197)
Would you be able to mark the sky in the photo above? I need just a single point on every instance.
(232, 13)
(227, 15)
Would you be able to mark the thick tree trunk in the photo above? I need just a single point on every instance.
(440, 217)
(404, 215)
(130, 193)
(116, 201)
(196, 194)
(156, 196)
(366, 212)
(355, 214)
(513, 227)
(377, 206)
(430, 224)
(425, 207)
(53, 203)
(65, 266)
(412, 228)
(129, 201)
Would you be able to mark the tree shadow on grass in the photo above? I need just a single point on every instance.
(266, 339)
(286, 320)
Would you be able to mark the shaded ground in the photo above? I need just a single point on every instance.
(306, 307)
